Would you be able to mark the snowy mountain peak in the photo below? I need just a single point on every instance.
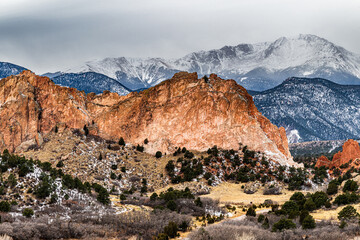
(257, 66)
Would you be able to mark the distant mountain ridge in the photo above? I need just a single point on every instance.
(7, 69)
(257, 67)
(90, 82)
(312, 109)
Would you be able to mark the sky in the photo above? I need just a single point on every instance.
(53, 35)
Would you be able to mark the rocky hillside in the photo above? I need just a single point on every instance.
(312, 109)
(183, 111)
(257, 66)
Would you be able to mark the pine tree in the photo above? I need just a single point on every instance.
(121, 141)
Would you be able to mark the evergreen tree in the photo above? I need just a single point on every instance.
(121, 141)
(86, 130)
(103, 196)
(158, 154)
(251, 212)
(308, 222)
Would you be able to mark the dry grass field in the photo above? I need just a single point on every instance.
(232, 193)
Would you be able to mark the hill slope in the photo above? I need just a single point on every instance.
(312, 109)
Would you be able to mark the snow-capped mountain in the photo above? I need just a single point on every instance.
(312, 109)
(132, 72)
(258, 66)
(7, 69)
(90, 82)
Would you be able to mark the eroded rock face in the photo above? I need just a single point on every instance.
(351, 151)
(183, 111)
(350, 154)
(323, 161)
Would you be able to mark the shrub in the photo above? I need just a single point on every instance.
(346, 198)
(171, 230)
(121, 141)
(188, 155)
(184, 225)
(283, 224)
(122, 197)
(171, 205)
(2, 190)
(158, 154)
(162, 236)
(348, 213)
(53, 198)
(198, 202)
(146, 141)
(351, 186)
(308, 222)
(170, 167)
(153, 197)
(261, 218)
(290, 206)
(113, 175)
(86, 130)
(60, 164)
(319, 198)
(103, 196)
(303, 214)
(5, 206)
(44, 188)
(114, 166)
(342, 224)
(28, 212)
(332, 188)
(299, 198)
(139, 148)
(12, 180)
(251, 212)
(266, 224)
(309, 205)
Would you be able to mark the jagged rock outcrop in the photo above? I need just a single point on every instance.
(350, 154)
(323, 161)
(351, 151)
(183, 111)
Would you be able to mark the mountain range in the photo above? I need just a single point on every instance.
(312, 109)
(259, 66)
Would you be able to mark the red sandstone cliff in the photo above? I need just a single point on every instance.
(350, 152)
(323, 161)
(183, 111)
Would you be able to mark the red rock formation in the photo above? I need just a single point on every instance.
(351, 151)
(183, 111)
(323, 161)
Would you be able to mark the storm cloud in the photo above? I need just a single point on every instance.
(45, 35)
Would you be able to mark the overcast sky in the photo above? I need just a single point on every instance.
(51, 35)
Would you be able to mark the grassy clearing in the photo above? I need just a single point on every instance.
(232, 193)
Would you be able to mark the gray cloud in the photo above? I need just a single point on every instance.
(52, 35)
